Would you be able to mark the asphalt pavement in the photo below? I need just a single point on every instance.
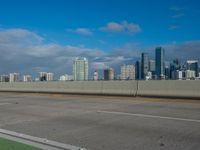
(104, 122)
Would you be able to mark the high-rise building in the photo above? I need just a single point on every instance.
(14, 77)
(109, 74)
(174, 66)
(127, 72)
(152, 66)
(27, 78)
(144, 65)
(137, 70)
(160, 64)
(80, 69)
(4, 78)
(193, 65)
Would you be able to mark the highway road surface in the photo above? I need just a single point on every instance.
(104, 122)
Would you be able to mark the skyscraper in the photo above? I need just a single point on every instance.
(144, 65)
(193, 65)
(80, 69)
(109, 74)
(127, 72)
(160, 64)
(137, 70)
(152, 66)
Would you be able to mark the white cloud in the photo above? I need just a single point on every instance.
(112, 27)
(82, 31)
(179, 15)
(175, 8)
(173, 27)
(121, 27)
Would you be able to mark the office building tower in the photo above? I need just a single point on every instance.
(193, 65)
(167, 73)
(80, 69)
(144, 65)
(109, 74)
(96, 75)
(14, 77)
(137, 70)
(27, 78)
(152, 66)
(174, 66)
(160, 64)
(127, 72)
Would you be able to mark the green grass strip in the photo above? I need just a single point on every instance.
(12, 145)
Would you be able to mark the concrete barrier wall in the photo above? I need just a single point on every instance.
(169, 88)
(164, 88)
(128, 88)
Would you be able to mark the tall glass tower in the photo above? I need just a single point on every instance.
(160, 64)
(144, 65)
(80, 69)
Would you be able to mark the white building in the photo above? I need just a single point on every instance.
(66, 77)
(179, 75)
(80, 69)
(96, 75)
(14, 77)
(50, 76)
(127, 72)
(189, 74)
(27, 78)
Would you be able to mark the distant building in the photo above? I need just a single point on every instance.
(66, 77)
(144, 65)
(127, 72)
(137, 70)
(152, 66)
(160, 64)
(109, 74)
(179, 75)
(14, 77)
(190, 74)
(80, 69)
(96, 75)
(193, 65)
(27, 78)
(174, 66)
(43, 76)
(46, 76)
(4, 78)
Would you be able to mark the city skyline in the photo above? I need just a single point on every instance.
(40, 36)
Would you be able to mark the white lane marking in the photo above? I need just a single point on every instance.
(38, 140)
(5, 103)
(150, 116)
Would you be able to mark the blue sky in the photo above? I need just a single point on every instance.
(46, 35)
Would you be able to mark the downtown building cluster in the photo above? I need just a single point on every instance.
(144, 69)
(148, 69)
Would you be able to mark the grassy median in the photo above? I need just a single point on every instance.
(12, 145)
